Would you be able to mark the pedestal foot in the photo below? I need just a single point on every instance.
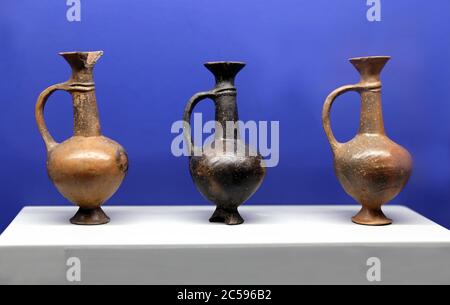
(90, 217)
(371, 217)
(228, 216)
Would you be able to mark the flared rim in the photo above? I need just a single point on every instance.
(369, 58)
(80, 52)
(212, 63)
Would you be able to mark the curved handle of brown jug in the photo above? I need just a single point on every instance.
(50, 143)
(327, 109)
(187, 117)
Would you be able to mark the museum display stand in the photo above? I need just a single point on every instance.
(175, 245)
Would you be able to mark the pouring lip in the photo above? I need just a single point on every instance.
(211, 63)
(80, 52)
(369, 58)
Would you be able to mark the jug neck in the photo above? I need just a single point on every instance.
(369, 68)
(82, 87)
(225, 101)
(371, 118)
(227, 115)
(86, 118)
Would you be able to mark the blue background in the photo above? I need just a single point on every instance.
(297, 53)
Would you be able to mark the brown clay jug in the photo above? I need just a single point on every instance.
(88, 168)
(371, 168)
(227, 172)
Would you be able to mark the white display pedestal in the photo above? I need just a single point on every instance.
(177, 245)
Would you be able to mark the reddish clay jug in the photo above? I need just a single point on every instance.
(371, 167)
(88, 168)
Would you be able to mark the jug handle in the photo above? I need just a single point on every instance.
(194, 100)
(50, 143)
(327, 109)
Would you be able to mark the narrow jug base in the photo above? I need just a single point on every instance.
(227, 216)
(371, 217)
(90, 217)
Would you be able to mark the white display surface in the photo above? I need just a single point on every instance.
(177, 245)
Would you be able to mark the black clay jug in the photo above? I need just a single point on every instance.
(227, 171)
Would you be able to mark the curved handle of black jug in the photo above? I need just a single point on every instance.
(197, 98)
(327, 109)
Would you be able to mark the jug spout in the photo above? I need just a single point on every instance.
(82, 64)
(82, 88)
(225, 72)
(370, 67)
